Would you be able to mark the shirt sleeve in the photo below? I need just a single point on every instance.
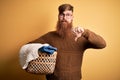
(93, 40)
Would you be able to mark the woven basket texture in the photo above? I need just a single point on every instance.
(44, 64)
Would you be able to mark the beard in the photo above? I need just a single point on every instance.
(64, 29)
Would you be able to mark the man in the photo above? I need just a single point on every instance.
(71, 44)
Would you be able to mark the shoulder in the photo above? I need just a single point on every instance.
(50, 34)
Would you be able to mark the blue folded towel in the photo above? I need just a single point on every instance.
(48, 49)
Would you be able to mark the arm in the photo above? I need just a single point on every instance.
(93, 40)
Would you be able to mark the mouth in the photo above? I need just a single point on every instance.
(63, 21)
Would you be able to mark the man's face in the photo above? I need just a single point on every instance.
(66, 16)
(64, 24)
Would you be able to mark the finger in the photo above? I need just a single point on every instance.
(81, 30)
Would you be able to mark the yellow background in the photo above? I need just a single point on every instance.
(24, 20)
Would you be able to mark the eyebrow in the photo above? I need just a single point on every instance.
(66, 13)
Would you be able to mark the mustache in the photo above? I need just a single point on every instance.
(63, 21)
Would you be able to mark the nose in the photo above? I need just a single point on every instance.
(64, 17)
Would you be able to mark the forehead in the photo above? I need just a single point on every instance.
(67, 12)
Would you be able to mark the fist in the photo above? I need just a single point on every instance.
(78, 32)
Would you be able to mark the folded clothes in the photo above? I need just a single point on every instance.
(47, 49)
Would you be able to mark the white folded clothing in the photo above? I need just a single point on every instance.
(29, 52)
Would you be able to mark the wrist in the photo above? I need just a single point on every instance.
(85, 33)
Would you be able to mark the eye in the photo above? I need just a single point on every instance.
(61, 15)
(68, 14)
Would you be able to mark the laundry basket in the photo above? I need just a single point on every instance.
(44, 64)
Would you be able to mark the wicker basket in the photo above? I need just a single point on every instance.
(44, 64)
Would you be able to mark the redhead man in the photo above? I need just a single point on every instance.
(71, 44)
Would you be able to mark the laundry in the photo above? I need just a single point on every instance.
(48, 49)
(29, 52)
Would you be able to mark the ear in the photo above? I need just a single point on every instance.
(72, 16)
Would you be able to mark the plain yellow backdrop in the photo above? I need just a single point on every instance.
(24, 20)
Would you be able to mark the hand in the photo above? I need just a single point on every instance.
(78, 32)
